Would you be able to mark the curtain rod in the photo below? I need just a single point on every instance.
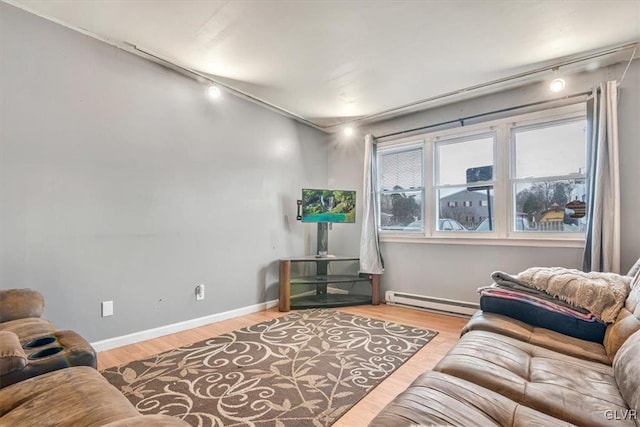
(461, 120)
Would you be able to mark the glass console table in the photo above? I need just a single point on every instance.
(321, 279)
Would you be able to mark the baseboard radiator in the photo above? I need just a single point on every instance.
(440, 305)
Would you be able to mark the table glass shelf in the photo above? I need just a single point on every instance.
(331, 278)
(322, 278)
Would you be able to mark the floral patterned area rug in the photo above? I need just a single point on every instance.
(304, 369)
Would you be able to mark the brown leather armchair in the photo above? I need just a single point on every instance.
(31, 345)
(36, 391)
(76, 396)
(21, 313)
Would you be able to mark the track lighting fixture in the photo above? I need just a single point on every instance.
(214, 91)
(557, 84)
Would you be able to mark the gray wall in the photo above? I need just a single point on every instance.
(121, 181)
(629, 128)
(456, 271)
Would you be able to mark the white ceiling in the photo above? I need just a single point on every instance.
(328, 61)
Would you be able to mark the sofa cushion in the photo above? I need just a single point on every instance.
(20, 303)
(503, 325)
(12, 356)
(627, 322)
(28, 328)
(72, 396)
(439, 399)
(575, 390)
(626, 368)
(76, 396)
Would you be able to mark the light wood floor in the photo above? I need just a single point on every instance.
(363, 412)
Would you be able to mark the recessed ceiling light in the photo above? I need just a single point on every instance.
(348, 131)
(214, 91)
(557, 85)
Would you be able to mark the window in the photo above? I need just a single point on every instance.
(548, 176)
(520, 177)
(460, 162)
(400, 180)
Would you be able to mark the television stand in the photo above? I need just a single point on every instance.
(320, 297)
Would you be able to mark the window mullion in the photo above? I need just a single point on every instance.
(502, 201)
(430, 192)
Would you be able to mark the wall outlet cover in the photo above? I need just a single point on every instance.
(107, 308)
(199, 292)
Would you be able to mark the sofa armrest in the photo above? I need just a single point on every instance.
(20, 303)
(12, 356)
(635, 268)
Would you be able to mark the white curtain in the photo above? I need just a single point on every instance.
(602, 246)
(370, 256)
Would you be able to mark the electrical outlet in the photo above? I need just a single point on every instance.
(107, 308)
(199, 292)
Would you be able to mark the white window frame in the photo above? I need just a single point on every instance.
(436, 170)
(513, 180)
(504, 199)
(405, 145)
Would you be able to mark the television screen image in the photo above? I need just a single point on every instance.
(328, 206)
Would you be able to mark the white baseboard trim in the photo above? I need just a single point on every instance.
(148, 334)
(425, 302)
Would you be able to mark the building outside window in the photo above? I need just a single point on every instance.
(465, 213)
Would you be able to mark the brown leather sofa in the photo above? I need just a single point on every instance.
(76, 396)
(48, 377)
(21, 313)
(32, 344)
(504, 372)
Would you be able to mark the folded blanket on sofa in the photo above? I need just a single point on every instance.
(547, 302)
(602, 294)
(520, 289)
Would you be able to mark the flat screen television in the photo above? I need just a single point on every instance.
(328, 206)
